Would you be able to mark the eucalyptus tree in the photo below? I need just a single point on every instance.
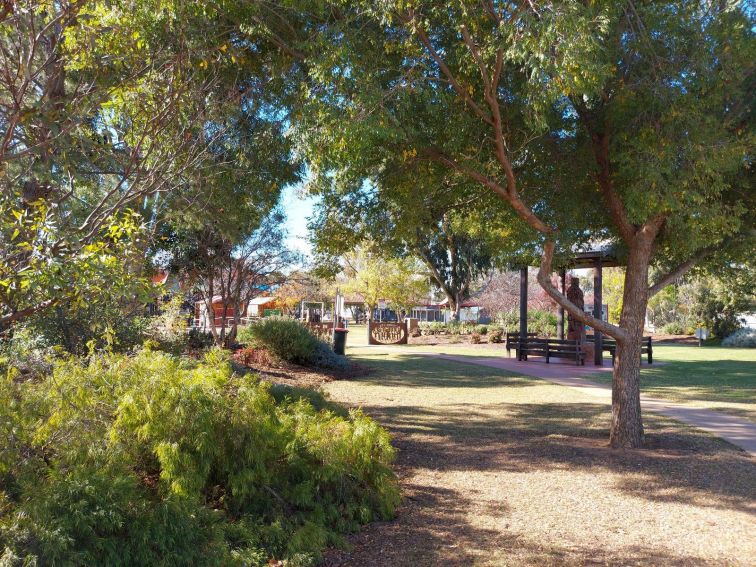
(624, 121)
(110, 111)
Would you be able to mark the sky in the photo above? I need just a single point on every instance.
(298, 210)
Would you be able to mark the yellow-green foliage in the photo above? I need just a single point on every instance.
(140, 460)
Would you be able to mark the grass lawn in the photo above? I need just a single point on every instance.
(509, 470)
(714, 377)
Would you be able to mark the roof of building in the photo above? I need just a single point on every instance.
(160, 277)
(262, 300)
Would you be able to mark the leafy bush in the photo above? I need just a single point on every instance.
(287, 339)
(495, 335)
(481, 329)
(673, 328)
(742, 338)
(324, 357)
(198, 339)
(432, 328)
(291, 341)
(251, 356)
(122, 460)
(169, 328)
(475, 338)
(541, 322)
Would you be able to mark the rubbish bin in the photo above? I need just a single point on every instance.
(339, 340)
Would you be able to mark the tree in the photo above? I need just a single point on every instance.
(612, 291)
(230, 272)
(375, 277)
(118, 108)
(92, 122)
(302, 286)
(406, 285)
(614, 120)
(454, 262)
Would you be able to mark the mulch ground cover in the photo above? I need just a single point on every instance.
(508, 470)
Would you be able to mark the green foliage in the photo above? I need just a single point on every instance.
(495, 335)
(539, 321)
(119, 460)
(198, 339)
(713, 302)
(716, 312)
(285, 338)
(290, 340)
(673, 328)
(376, 276)
(742, 338)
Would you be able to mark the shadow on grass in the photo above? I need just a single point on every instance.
(679, 464)
(432, 529)
(418, 371)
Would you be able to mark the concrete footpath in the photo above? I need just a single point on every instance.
(737, 431)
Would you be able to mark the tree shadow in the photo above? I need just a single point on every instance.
(678, 463)
(431, 529)
(418, 371)
(438, 521)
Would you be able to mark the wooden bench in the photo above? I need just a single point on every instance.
(549, 348)
(610, 345)
(511, 339)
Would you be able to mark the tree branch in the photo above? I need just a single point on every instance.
(544, 279)
(680, 270)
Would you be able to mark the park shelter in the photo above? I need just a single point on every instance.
(594, 259)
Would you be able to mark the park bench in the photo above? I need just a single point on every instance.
(610, 345)
(549, 348)
(511, 339)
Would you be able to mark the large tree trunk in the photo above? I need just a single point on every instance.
(453, 305)
(627, 424)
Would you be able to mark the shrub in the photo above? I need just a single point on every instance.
(251, 356)
(324, 357)
(475, 338)
(481, 329)
(432, 328)
(291, 341)
(673, 328)
(199, 339)
(742, 338)
(107, 324)
(129, 460)
(495, 335)
(543, 323)
(287, 339)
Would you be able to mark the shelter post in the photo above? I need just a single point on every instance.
(560, 312)
(598, 353)
(523, 302)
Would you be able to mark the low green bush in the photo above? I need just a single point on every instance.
(541, 322)
(432, 328)
(673, 328)
(742, 338)
(495, 335)
(286, 338)
(139, 460)
(289, 340)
